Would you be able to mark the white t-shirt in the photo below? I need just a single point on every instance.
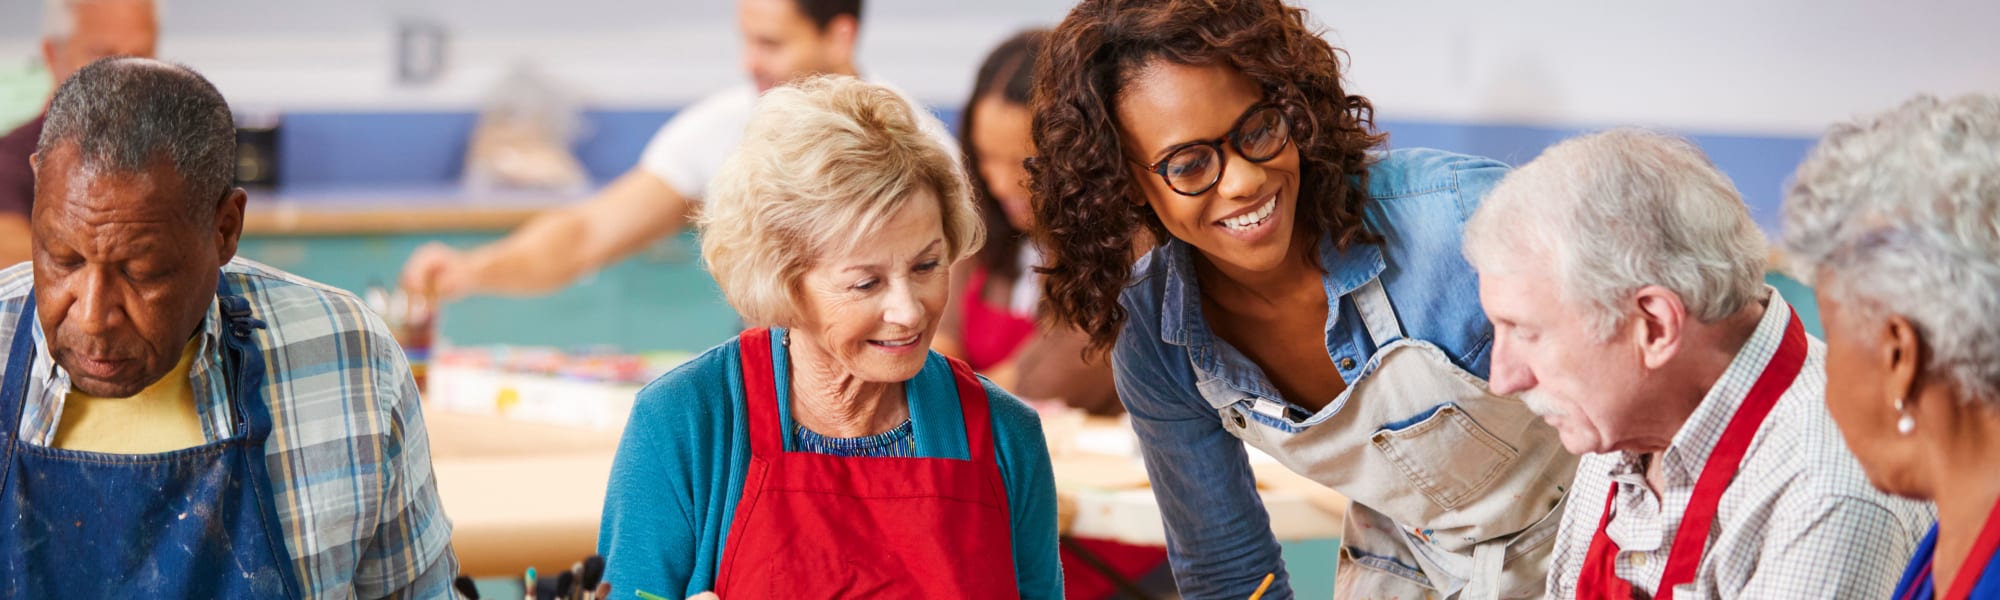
(690, 148)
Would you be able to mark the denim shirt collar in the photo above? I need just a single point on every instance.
(1227, 378)
(1181, 322)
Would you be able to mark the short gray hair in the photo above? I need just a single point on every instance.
(59, 16)
(122, 114)
(1902, 210)
(1620, 210)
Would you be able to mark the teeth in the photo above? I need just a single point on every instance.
(899, 344)
(1252, 219)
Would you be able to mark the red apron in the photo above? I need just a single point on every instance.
(818, 526)
(1599, 578)
(991, 334)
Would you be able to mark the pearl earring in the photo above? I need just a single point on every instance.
(1906, 423)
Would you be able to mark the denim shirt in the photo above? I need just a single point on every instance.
(1218, 534)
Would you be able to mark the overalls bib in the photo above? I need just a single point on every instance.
(1456, 492)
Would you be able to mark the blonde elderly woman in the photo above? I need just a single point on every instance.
(1896, 219)
(828, 452)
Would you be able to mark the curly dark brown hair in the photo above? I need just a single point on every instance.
(1082, 186)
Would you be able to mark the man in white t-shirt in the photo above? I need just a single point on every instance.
(782, 40)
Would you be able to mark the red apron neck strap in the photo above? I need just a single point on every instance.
(1727, 457)
(760, 393)
(1691, 539)
(1983, 549)
(978, 411)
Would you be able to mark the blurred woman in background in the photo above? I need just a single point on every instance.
(995, 296)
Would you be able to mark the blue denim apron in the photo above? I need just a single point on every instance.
(192, 523)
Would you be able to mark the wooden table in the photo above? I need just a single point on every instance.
(519, 494)
(522, 494)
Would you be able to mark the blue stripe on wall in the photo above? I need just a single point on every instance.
(346, 149)
(1760, 166)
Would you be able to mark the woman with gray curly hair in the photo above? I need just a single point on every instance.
(829, 453)
(1895, 219)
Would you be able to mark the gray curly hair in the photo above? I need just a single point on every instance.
(1899, 212)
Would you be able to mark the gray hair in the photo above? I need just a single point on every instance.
(59, 16)
(1620, 210)
(1901, 212)
(123, 114)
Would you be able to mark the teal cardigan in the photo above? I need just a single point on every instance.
(681, 463)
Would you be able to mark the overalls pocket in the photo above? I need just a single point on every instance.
(1445, 454)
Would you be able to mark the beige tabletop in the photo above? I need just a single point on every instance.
(519, 494)
(523, 494)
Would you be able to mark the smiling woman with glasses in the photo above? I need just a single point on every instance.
(1309, 299)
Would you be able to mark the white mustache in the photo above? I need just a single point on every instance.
(1540, 404)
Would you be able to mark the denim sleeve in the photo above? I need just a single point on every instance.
(1475, 181)
(1219, 538)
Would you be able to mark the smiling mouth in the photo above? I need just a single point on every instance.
(1250, 220)
(897, 343)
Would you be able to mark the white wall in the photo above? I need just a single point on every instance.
(1775, 66)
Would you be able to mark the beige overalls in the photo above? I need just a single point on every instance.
(1456, 492)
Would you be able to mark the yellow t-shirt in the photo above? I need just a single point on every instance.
(160, 418)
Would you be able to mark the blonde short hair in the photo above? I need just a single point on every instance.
(825, 162)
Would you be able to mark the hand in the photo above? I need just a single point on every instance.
(440, 270)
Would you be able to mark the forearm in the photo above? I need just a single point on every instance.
(1053, 365)
(558, 246)
(542, 256)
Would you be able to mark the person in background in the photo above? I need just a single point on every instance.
(74, 33)
(1895, 218)
(990, 320)
(179, 422)
(782, 40)
(1308, 298)
(828, 452)
(1625, 281)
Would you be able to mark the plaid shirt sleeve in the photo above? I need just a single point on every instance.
(410, 554)
(350, 459)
